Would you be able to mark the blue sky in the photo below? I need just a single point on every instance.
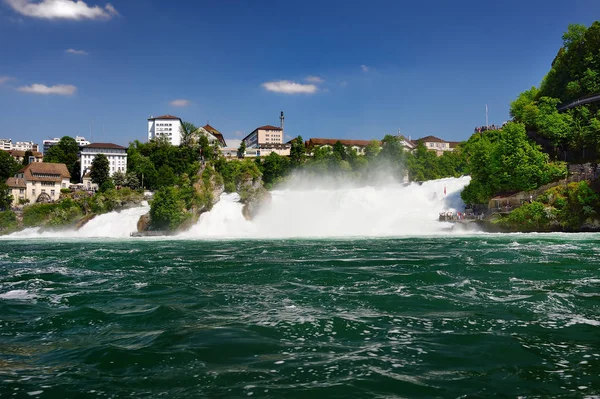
(338, 69)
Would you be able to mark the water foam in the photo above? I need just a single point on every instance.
(383, 211)
(112, 225)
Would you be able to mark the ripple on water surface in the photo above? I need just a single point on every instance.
(425, 317)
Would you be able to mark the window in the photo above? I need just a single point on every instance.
(52, 192)
(33, 191)
(21, 191)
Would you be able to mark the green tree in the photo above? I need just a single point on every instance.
(67, 152)
(100, 171)
(8, 166)
(28, 154)
(167, 210)
(187, 131)
(5, 197)
(298, 150)
(241, 152)
(119, 178)
(132, 181)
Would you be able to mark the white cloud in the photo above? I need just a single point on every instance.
(364, 68)
(4, 79)
(180, 103)
(288, 87)
(314, 79)
(36, 88)
(61, 9)
(76, 52)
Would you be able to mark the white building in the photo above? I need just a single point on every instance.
(7, 145)
(117, 157)
(38, 182)
(167, 126)
(81, 142)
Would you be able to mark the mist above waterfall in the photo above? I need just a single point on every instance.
(384, 210)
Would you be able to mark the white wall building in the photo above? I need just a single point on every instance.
(7, 145)
(81, 142)
(117, 157)
(167, 126)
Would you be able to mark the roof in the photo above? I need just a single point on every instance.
(163, 117)
(14, 182)
(431, 139)
(268, 127)
(454, 144)
(215, 133)
(347, 143)
(20, 154)
(105, 145)
(58, 171)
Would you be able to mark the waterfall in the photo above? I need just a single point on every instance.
(372, 211)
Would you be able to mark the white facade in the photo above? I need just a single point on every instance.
(117, 157)
(81, 142)
(7, 145)
(167, 126)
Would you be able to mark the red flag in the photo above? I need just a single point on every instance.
(444, 190)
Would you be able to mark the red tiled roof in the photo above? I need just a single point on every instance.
(21, 154)
(105, 145)
(268, 127)
(164, 117)
(58, 171)
(347, 143)
(14, 182)
(215, 133)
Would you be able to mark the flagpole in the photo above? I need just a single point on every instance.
(486, 116)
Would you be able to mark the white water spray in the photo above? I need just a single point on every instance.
(384, 211)
(111, 225)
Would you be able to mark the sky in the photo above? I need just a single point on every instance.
(338, 69)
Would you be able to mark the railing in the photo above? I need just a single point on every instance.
(580, 101)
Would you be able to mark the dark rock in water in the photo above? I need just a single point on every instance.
(144, 223)
(152, 233)
(254, 202)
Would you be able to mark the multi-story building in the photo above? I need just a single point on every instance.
(38, 182)
(167, 127)
(117, 157)
(81, 142)
(7, 145)
(264, 135)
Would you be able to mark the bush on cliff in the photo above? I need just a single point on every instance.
(167, 210)
(506, 161)
(8, 222)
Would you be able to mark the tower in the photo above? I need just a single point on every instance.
(281, 118)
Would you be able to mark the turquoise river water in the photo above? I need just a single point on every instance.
(439, 316)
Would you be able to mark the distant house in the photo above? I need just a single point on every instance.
(216, 134)
(167, 127)
(116, 154)
(438, 145)
(7, 145)
(358, 145)
(20, 155)
(39, 182)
